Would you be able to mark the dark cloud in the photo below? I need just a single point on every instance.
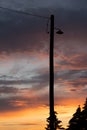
(74, 80)
(73, 89)
(73, 60)
(19, 32)
(42, 81)
(46, 3)
(15, 82)
(8, 90)
(10, 104)
(71, 74)
(38, 81)
(14, 103)
(78, 84)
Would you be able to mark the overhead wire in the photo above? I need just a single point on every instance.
(29, 14)
(26, 13)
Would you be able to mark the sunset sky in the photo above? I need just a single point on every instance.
(24, 62)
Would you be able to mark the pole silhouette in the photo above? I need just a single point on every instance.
(51, 69)
(51, 86)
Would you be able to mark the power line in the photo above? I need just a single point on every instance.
(25, 13)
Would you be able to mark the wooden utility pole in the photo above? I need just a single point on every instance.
(51, 86)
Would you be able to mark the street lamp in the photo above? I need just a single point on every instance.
(59, 31)
(51, 69)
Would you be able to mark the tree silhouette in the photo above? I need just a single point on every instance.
(57, 122)
(75, 121)
(79, 119)
(84, 116)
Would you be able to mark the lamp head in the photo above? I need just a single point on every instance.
(59, 31)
